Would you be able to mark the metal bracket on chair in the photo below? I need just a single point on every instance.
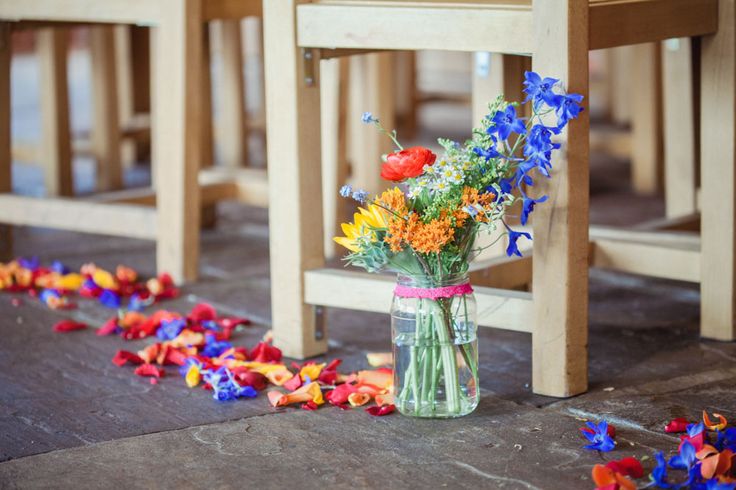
(310, 79)
(319, 322)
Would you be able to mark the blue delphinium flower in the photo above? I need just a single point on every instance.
(505, 122)
(360, 195)
(528, 206)
(346, 190)
(726, 439)
(538, 147)
(695, 429)
(170, 329)
(714, 484)
(213, 347)
(224, 386)
(58, 267)
(539, 90)
(686, 459)
(598, 437)
(659, 472)
(109, 298)
(567, 107)
(368, 118)
(512, 248)
(31, 263)
(487, 153)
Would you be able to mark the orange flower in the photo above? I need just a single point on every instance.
(431, 237)
(472, 198)
(394, 200)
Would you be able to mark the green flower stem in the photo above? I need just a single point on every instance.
(449, 363)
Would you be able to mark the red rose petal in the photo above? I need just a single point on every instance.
(377, 411)
(68, 326)
(109, 327)
(293, 383)
(203, 312)
(123, 356)
(677, 425)
(264, 352)
(149, 370)
(310, 405)
(627, 466)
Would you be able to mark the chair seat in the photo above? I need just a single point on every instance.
(503, 26)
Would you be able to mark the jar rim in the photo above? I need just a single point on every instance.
(426, 281)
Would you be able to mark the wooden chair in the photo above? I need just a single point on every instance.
(558, 35)
(176, 123)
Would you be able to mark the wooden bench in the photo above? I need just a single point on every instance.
(557, 34)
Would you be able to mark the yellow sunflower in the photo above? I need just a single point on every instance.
(364, 222)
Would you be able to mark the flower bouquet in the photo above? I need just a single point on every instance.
(426, 230)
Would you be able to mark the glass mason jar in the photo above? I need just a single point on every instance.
(435, 347)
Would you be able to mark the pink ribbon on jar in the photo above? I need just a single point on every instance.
(433, 293)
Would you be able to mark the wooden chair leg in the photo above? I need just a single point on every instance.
(560, 334)
(619, 70)
(209, 211)
(6, 181)
(295, 181)
(106, 136)
(646, 123)
(124, 75)
(177, 136)
(371, 79)
(333, 83)
(56, 152)
(679, 128)
(231, 128)
(718, 178)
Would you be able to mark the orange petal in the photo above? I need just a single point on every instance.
(279, 377)
(382, 378)
(708, 466)
(603, 476)
(378, 359)
(722, 422)
(358, 399)
(707, 450)
(624, 482)
(387, 399)
(276, 398)
(725, 460)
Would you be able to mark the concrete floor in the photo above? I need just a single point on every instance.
(71, 419)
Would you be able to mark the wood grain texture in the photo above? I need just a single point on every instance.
(295, 182)
(232, 138)
(499, 308)
(177, 136)
(680, 157)
(646, 120)
(560, 335)
(106, 136)
(718, 178)
(6, 174)
(56, 155)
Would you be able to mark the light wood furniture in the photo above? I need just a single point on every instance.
(176, 121)
(558, 35)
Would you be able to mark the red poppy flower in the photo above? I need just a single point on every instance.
(68, 326)
(406, 163)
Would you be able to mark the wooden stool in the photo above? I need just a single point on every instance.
(558, 34)
(176, 122)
